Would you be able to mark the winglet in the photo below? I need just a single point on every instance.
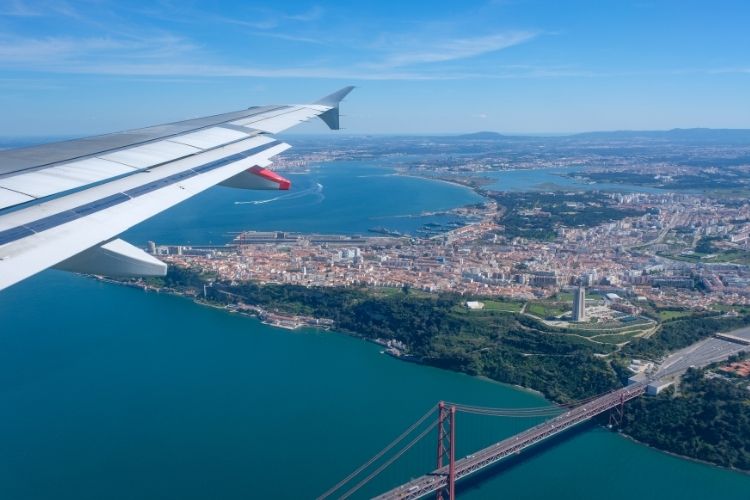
(331, 117)
(334, 99)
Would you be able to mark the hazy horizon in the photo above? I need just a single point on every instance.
(325, 134)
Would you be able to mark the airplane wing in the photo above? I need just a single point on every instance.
(62, 205)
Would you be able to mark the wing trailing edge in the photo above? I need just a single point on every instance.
(114, 258)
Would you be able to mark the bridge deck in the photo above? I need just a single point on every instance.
(733, 338)
(489, 456)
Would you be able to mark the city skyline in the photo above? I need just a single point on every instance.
(506, 66)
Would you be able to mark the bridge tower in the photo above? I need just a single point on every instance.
(616, 413)
(446, 448)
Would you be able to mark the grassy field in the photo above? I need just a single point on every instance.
(617, 334)
(733, 256)
(491, 308)
(720, 256)
(667, 314)
(502, 305)
(388, 291)
(618, 338)
(546, 309)
(727, 308)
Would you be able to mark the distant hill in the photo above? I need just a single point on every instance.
(482, 136)
(705, 135)
(676, 134)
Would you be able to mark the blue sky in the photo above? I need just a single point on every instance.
(514, 66)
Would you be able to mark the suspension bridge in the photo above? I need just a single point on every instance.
(442, 480)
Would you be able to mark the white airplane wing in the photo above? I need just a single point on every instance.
(62, 205)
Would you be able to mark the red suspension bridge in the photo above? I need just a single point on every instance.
(442, 480)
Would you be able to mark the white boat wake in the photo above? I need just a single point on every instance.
(316, 189)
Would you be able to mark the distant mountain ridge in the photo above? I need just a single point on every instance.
(694, 134)
(676, 134)
(483, 136)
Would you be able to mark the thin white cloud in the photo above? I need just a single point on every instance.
(454, 48)
(149, 53)
(223, 71)
(43, 49)
(291, 37)
(30, 52)
(39, 8)
(26, 84)
(255, 18)
(255, 24)
(117, 47)
(726, 71)
(265, 28)
(312, 14)
(166, 55)
(19, 8)
(165, 69)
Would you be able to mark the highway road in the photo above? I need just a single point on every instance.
(702, 353)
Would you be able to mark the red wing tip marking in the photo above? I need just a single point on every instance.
(284, 184)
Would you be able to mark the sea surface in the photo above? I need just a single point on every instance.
(342, 197)
(109, 392)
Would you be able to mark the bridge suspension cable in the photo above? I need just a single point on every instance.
(389, 462)
(530, 412)
(378, 455)
(508, 412)
(536, 411)
(438, 480)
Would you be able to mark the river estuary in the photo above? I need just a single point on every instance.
(108, 392)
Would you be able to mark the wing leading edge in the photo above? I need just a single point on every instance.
(62, 205)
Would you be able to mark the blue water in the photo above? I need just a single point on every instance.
(342, 197)
(108, 392)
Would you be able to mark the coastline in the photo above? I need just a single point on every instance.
(442, 180)
(325, 327)
(394, 354)
(683, 457)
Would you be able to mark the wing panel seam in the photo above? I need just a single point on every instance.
(19, 232)
(134, 144)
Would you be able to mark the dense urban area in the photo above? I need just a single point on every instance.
(571, 288)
